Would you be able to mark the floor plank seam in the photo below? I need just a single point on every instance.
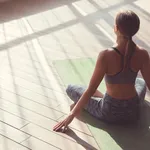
(34, 91)
(44, 141)
(42, 85)
(14, 141)
(30, 91)
(55, 133)
(52, 108)
(94, 138)
(14, 127)
(58, 132)
(23, 71)
(24, 125)
(32, 112)
(29, 99)
(26, 139)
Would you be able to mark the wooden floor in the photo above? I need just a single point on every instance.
(33, 33)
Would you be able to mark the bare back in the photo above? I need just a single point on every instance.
(114, 65)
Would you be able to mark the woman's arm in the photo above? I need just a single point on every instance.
(145, 70)
(98, 74)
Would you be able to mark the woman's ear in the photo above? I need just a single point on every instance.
(115, 28)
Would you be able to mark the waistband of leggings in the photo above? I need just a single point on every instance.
(116, 99)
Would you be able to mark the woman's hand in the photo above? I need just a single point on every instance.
(62, 126)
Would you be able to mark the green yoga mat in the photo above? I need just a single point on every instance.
(77, 71)
(108, 137)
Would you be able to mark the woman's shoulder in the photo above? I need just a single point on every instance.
(106, 51)
(105, 56)
(142, 52)
(102, 56)
(141, 49)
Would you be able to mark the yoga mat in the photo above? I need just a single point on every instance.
(77, 71)
(108, 137)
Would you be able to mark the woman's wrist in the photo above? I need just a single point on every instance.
(74, 112)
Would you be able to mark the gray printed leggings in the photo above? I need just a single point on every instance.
(110, 109)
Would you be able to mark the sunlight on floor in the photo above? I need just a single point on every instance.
(32, 88)
(84, 7)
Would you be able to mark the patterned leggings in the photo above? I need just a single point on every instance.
(111, 109)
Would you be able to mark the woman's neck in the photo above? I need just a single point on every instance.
(121, 43)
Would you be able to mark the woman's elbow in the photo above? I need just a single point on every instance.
(91, 91)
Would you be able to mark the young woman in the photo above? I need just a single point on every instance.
(119, 66)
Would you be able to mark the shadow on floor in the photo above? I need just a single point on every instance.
(85, 144)
(133, 137)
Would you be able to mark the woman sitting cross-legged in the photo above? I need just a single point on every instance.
(119, 66)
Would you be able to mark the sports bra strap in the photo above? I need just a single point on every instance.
(120, 53)
(117, 51)
(123, 55)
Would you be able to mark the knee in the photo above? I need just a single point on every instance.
(69, 89)
(140, 82)
(72, 92)
(140, 87)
